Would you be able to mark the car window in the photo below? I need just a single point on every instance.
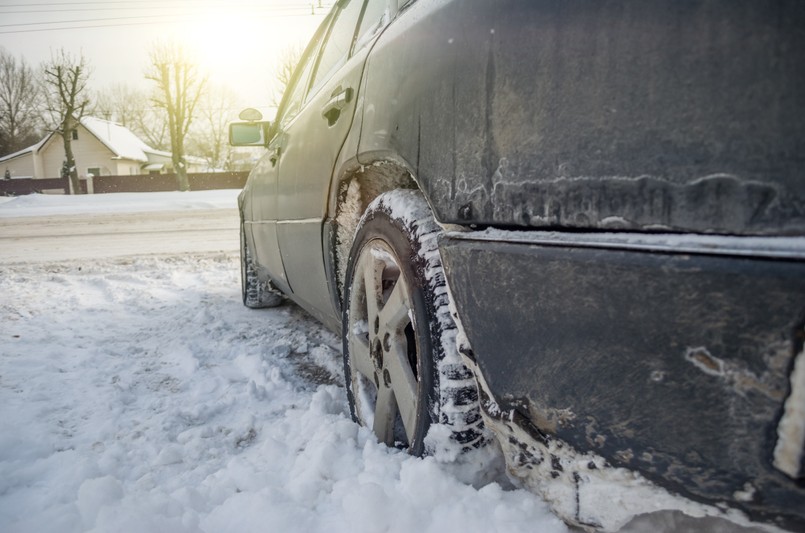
(294, 99)
(336, 50)
(375, 17)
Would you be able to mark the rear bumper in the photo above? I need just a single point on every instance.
(665, 355)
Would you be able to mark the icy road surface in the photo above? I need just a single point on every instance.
(97, 236)
(55, 227)
(138, 395)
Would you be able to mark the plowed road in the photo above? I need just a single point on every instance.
(96, 236)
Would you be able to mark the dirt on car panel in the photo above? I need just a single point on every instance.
(627, 117)
(719, 204)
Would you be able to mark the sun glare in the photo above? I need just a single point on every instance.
(241, 50)
(220, 38)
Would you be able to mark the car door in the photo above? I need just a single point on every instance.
(263, 184)
(312, 143)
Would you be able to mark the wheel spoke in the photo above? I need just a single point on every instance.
(404, 383)
(394, 315)
(360, 357)
(372, 282)
(385, 412)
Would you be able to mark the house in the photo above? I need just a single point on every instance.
(100, 148)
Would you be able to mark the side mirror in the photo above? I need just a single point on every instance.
(253, 131)
(249, 133)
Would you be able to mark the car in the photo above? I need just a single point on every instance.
(576, 226)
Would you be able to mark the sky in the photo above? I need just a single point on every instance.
(238, 42)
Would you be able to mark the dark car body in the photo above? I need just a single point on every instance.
(624, 189)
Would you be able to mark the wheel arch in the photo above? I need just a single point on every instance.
(359, 181)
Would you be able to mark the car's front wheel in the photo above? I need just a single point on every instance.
(256, 293)
(402, 369)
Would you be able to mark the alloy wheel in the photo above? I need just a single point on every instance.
(383, 346)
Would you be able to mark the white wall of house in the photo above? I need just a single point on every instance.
(21, 166)
(127, 167)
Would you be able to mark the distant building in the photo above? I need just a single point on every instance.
(100, 148)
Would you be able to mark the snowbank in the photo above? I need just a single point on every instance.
(139, 395)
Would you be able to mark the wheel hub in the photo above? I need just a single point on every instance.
(377, 354)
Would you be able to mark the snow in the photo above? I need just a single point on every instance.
(789, 452)
(119, 139)
(138, 394)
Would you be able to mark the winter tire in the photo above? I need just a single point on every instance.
(256, 294)
(402, 369)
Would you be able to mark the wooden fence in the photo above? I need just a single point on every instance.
(20, 187)
(109, 184)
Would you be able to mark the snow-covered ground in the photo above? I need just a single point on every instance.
(138, 395)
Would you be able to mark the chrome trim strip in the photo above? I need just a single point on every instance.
(727, 245)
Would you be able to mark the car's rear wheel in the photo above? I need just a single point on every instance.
(402, 369)
(256, 293)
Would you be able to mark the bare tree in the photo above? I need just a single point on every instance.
(65, 82)
(179, 86)
(119, 103)
(209, 137)
(134, 109)
(289, 58)
(20, 103)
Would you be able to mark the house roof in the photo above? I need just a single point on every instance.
(119, 139)
(24, 151)
(125, 144)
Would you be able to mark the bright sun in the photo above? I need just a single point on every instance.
(238, 46)
(220, 37)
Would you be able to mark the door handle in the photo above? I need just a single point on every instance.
(339, 99)
(274, 156)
